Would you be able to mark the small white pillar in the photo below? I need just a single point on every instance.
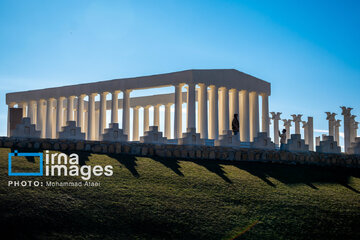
(102, 113)
(178, 111)
(297, 120)
(168, 120)
(114, 107)
(265, 114)
(213, 113)
(80, 112)
(126, 112)
(244, 116)
(49, 118)
(203, 111)
(70, 108)
(254, 115)
(276, 118)
(59, 113)
(136, 123)
(346, 112)
(91, 117)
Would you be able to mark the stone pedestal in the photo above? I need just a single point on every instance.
(296, 144)
(262, 141)
(25, 130)
(71, 131)
(328, 145)
(355, 146)
(191, 138)
(228, 139)
(153, 136)
(114, 134)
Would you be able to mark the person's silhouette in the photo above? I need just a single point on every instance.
(282, 139)
(235, 124)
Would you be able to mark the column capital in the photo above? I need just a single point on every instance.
(92, 94)
(104, 93)
(231, 90)
(11, 104)
(71, 97)
(179, 85)
(263, 94)
(147, 106)
(51, 99)
(169, 104)
(126, 90)
(136, 107)
(61, 98)
(346, 111)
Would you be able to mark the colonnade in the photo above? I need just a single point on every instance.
(216, 108)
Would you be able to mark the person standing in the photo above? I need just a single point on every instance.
(282, 139)
(235, 124)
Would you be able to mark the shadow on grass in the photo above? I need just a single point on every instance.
(128, 161)
(171, 164)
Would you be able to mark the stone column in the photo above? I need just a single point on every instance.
(102, 113)
(254, 115)
(346, 112)
(310, 130)
(146, 119)
(233, 105)
(91, 117)
(23, 107)
(30, 111)
(203, 111)
(168, 120)
(157, 115)
(224, 110)
(276, 117)
(97, 124)
(59, 113)
(41, 124)
(80, 112)
(352, 129)
(306, 132)
(136, 123)
(190, 104)
(10, 105)
(49, 118)
(265, 114)
(244, 116)
(287, 125)
(86, 121)
(126, 112)
(337, 131)
(355, 128)
(114, 107)
(70, 108)
(178, 111)
(214, 113)
(297, 120)
(331, 118)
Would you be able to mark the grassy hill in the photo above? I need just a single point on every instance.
(175, 199)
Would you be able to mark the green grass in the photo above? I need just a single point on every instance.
(149, 198)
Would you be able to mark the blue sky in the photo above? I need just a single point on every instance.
(308, 50)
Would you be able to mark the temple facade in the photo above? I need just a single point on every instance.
(219, 95)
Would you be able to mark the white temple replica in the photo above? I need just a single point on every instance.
(212, 97)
